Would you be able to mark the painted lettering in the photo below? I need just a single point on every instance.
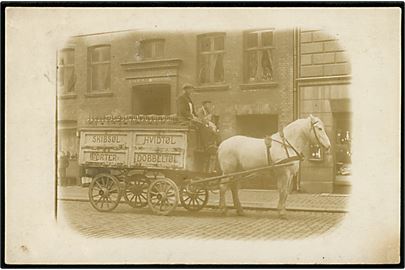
(106, 139)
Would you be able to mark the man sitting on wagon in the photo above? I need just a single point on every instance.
(203, 120)
(185, 106)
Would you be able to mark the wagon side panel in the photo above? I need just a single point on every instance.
(158, 149)
(103, 148)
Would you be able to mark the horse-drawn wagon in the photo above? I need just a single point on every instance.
(146, 159)
(160, 160)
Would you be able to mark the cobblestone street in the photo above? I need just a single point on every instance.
(125, 221)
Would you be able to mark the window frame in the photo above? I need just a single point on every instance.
(62, 88)
(211, 36)
(257, 48)
(91, 64)
(153, 42)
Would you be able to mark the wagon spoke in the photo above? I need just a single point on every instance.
(98, 185)
(107, 201)
(99, 200)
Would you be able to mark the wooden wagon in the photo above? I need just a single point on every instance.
(149, 160)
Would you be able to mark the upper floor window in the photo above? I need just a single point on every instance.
(152, 48)
(99, 78)
(259, 56)
(66, 71)
(211, 51)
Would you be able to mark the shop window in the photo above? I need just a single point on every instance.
(258, 54)
(152, 48)
(99, 68)
(315, 152)
(66, 71)
(211, 50)
(343, 145)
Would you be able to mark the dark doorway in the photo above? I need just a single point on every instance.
(258, 126)
(151, 99)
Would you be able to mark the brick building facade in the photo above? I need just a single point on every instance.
(258, 80)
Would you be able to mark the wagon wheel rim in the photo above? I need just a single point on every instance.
(192, 197)
(104, 192)
(163, 196)
(136, 191)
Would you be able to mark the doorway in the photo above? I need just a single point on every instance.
(258, 126)
(151, 99)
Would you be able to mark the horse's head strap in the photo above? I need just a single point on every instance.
(313, 129)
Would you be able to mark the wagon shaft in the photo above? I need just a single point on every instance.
(238, 175)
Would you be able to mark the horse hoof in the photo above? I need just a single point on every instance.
(241, 213)
(223, 212)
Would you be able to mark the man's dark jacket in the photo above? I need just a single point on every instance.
(183, 108)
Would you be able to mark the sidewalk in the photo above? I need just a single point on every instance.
(250, 199)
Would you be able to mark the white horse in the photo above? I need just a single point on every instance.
(240, 153)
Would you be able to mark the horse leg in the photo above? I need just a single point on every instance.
(282, 188)
(222, 201)
(235, 197)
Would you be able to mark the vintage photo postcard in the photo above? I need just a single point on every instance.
(202, 135)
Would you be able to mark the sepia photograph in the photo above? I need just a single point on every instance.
(190, 136)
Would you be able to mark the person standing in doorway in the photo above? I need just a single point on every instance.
(63, 163)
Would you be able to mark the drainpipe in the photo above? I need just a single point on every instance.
(295, 72)
(296, 62)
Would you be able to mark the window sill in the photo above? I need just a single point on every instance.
(316, 159)
(212, 87)
(257, 85)
(67, 96)
(99, 94)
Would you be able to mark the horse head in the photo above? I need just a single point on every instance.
(317, 133)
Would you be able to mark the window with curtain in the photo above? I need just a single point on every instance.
(258, 53)
(152, 48)
(211, 51)
(66, 71)
(99, 68)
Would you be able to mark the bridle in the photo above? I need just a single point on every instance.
(316, 135)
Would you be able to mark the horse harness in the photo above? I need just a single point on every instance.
(285, 143)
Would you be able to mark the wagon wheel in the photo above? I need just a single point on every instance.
(163, 196)
(136, 191)
(192, 197)
(104, 192)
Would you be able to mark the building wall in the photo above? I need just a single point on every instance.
(231, 98)
(323, 75)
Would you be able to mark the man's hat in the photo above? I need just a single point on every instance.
(187, 86)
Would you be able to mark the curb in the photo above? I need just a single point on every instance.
(263, 208)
